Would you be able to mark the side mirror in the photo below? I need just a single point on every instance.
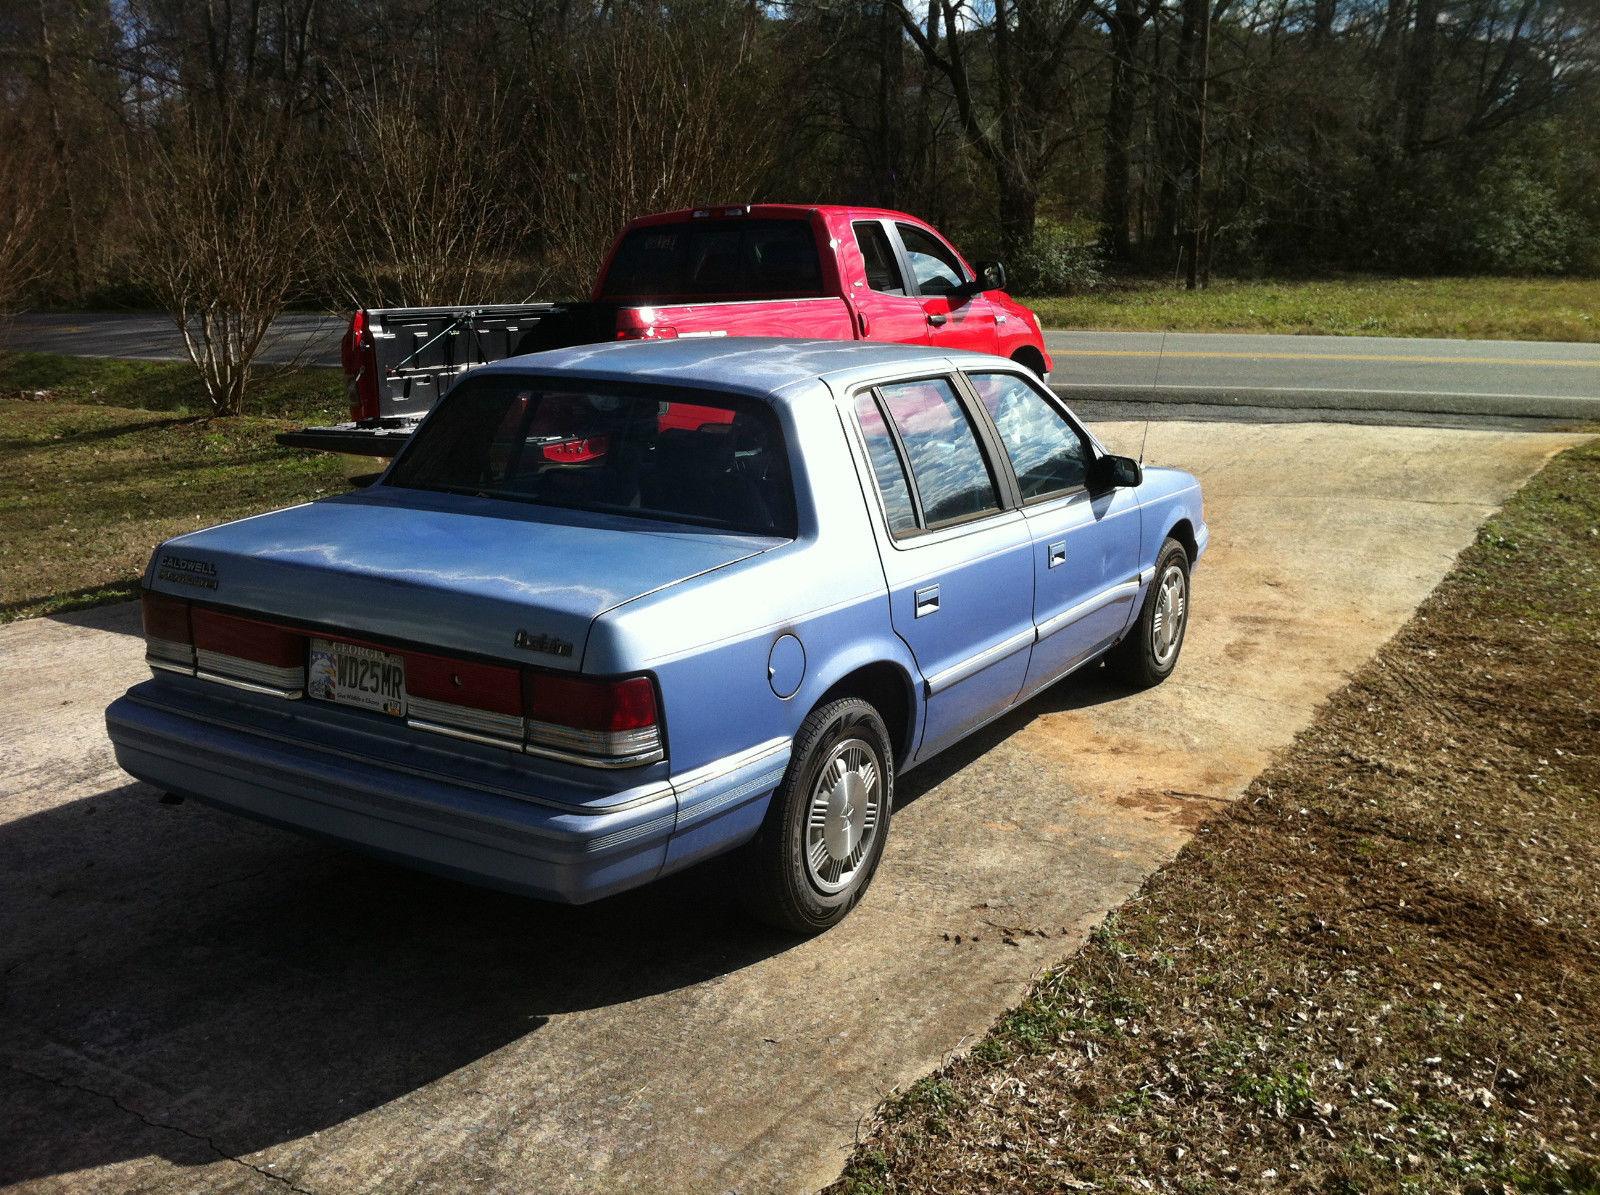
(991, 275)
(1107, 473)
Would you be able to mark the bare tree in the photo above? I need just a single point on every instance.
(691, 125)
(23, 201)
(430, 212)
(223, 225)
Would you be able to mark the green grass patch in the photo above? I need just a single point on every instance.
(1378, 971)
(1473, 308)
(307, 395)
(87, 491)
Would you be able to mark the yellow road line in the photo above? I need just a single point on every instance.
(1322, 357)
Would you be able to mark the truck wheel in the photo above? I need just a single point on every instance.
(815, 853)
(1150, 652)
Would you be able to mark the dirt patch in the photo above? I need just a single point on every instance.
(1377, 971)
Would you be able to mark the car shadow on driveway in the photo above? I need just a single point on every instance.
(1094, 685)
(182, 983)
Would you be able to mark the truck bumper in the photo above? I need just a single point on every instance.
(432, 821)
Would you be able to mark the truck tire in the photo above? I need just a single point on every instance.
(819, 846)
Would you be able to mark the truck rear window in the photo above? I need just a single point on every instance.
(716, 259)
(689, 456)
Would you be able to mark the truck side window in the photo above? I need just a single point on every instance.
(947, 465)
(1046, 451)
(937, 271)
(883, 273)
(886, 467)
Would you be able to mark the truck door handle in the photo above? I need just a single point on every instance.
(927, 600)
(938, 321)
(1057, 553)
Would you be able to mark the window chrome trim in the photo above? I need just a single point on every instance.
(973, 665)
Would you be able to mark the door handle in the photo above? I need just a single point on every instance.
(927, 600)
(1057, 553)
(938, 321)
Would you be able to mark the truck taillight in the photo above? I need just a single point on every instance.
(607, 723)
(360, 368)
(168, 636)
(653, 332)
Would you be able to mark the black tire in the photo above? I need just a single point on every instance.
(1146, 657)
(779, 883)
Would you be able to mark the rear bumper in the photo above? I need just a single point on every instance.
(440, 823)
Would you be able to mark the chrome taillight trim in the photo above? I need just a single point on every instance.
(595, 761)
(456, 732)
(466, 717)
(594, 742)
(234, 682)
(169, 655)
(595, 748)
(214, 665)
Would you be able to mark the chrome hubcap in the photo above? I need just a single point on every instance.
(842, 820)
(1172, 604)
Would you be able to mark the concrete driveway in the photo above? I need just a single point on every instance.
(194, 1003)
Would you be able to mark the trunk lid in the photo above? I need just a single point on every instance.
(492, 578)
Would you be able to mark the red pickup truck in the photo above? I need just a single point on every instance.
(750, 270)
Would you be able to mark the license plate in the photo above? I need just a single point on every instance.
(354, 675)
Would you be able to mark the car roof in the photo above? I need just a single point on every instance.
(763, 365)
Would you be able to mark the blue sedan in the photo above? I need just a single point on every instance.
(617, 609)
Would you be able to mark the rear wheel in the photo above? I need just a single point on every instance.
(825, 828)
(1150, 652)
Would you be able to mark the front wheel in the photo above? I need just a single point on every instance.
(824, 831)
(1150, 652)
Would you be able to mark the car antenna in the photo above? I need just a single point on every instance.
(1161, 353)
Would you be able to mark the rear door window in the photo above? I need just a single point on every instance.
(883, 271)
(721, 258)
(887, 468)
(950, 471)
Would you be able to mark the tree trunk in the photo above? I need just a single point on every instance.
(58, 149)
(1019, 206)
(1126, 23)
(1416, 80)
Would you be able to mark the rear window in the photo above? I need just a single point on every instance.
(658, 452)
(716, 258)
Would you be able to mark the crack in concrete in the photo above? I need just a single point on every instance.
(221, 1153)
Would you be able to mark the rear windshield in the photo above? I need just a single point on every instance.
(716, 258)
(687, 456)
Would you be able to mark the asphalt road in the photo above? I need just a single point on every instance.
(1312, 374)
(193, 1003)
(1359, 373)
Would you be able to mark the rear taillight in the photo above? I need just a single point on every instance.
(249, 653)
(596, 723)
(481, 702)
(168, 637)
(612, 723)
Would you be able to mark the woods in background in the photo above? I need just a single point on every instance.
(432, 151)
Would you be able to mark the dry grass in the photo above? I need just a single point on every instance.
(1377, 972)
